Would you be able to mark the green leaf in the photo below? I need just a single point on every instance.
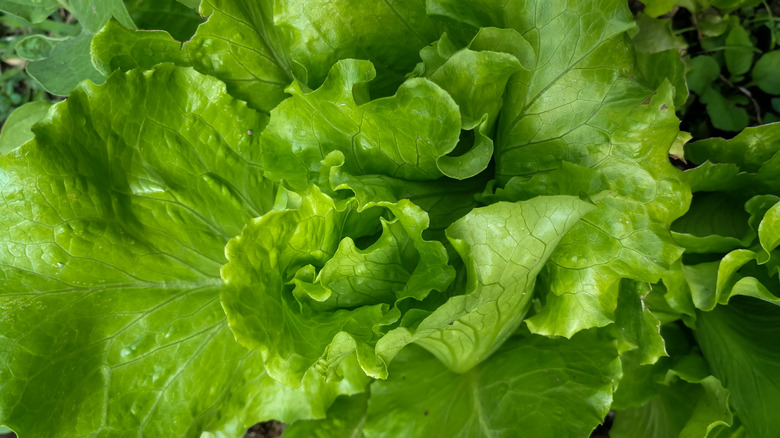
(503, 247)
(764, 73)
(769, 229)
(93, 14)
(244, 53)
(750, 150)
(682, 407)
(16, 129)
(444, 200)
(116, 47)
(702, 72)
(655, 35)
(676, 397)
(739, 50)
(635, 327)
(665, 66)
(240, 45)
(345, 419)
(299, 289)
(526, 388)
(389, 34)
(67, 64)
(741, 344)
(36, 47)
(111, 317)
(572, 106)
(33, 11)
(171, 16)
(714, 223)
(724, 114)
(401, 136)
(656, 8)
(475, 79)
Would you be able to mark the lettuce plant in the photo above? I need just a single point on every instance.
(396, 219)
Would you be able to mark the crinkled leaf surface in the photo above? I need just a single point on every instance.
(527, 388)
(503, 247)
(401, 136)
(116, 223)
(238, 44)
(578, 103)
(299, 289)
(317, 34)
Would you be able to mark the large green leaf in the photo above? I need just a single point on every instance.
(532, 386)
(116, 220)
(741, 342)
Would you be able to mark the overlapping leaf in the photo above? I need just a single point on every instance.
(115, 221)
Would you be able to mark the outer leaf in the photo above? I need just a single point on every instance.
(16, 129)
(401, 136)
(115, 222)
(525, 389)
(503, 246)
(740, 342)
